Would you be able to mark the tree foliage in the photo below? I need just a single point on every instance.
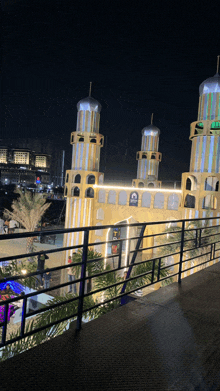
(28, 210)
(198, 237)
(61, 311)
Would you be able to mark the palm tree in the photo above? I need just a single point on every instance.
(28, 211)
(193, 246)
(70, 308)
(41, 320)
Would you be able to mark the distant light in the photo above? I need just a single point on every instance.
(23, 271)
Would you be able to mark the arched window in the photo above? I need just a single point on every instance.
(98, 247)
(209, 202)
(146, 200)
(89, 192)
(75, 192)
(90, 179)
(65, 192)
(112, 197)
(153, 156)
(93, 140)
(137, 155)
(99, 232)
(211, 183)
(151, 184)
(144, 156)
(67, 178)
(159, 201)
(189, 201)
(122, 198)
(77, 178)
(81, 139)
(191, 183)
(101, 179)
(199, 128)
(217, 186)
(140, 185)
(173, 202)
(101, 140)
(188, 184)
(101, 197)
(100, 214)
(215, 128)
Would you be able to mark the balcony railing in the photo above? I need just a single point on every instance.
(194, 241)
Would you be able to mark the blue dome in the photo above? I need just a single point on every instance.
(212, 84)
(89, 104)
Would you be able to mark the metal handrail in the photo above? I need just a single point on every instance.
(199, 243)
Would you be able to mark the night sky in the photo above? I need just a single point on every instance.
(141, 56)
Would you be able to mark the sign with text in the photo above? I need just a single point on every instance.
(133, 201)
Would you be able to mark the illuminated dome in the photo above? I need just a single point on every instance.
(212, 84)
(150, 130)
(89, 104)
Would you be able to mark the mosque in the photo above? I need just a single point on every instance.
(89, 202)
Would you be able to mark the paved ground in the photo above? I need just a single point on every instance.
(167, 340)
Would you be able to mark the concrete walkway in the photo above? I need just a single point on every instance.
(167, 340)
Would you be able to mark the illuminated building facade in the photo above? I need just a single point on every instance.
(200, 186)
(148, 158)
(22, 166)
(92, 203)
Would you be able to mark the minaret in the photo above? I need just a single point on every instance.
(201, 185)
(84, 173)
(148, 158)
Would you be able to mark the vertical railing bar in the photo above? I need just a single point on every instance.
(134, 257)
(82, 282)
(196, 238)
(119, 258)
(153, 269)
(181, 251)
(23, 316)
(4, 331)
(128, 255)
(200, 236)
(158, 272)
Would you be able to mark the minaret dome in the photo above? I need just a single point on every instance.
(89, 104)
(150, 130)
(212, 84)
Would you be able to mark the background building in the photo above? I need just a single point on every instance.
(21, 166)
(46, 157)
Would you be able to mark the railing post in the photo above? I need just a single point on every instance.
(23, 316)
(200, 237)
(181, 251)
(213, 255)
(128, 255)
(119, 257)
(158, 272)
(153, 268)
(83, 276)
(4, 331)
(134, 257)
(196, 246)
